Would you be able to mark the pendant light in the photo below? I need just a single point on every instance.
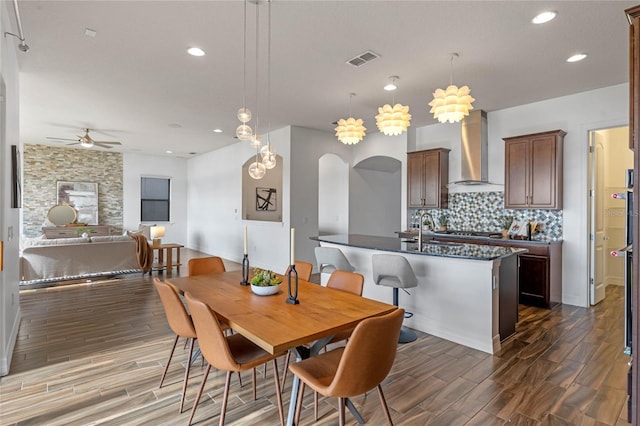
(268, 152)
(452, 104)
(393, 120)
(244, 131)
(350, 131)
(257, 170)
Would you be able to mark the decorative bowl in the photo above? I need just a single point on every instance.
(265, 290)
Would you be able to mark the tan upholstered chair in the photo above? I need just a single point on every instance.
(181, 324)
(227, 353)
(351, 282)
(206, 265)
(303, 269)
(356, 368)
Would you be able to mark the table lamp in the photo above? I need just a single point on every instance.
(156, 233)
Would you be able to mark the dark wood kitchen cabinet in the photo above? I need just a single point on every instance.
(427, 178)
(533, 171)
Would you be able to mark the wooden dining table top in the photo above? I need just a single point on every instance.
(270, 322)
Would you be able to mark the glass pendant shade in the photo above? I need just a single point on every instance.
(257, 170)
(244, 115)
(350, 131)
(394, 120)
(244, 132)
(452, 104)
(268, 154)
(255, 141)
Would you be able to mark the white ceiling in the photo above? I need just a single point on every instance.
(134, 81)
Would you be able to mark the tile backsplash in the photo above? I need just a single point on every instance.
(484, 211)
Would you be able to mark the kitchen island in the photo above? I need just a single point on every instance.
(466, 293)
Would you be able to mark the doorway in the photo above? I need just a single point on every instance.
(609, 159)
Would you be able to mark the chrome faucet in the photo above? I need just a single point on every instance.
(432, 225)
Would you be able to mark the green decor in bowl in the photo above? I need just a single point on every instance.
(265, 282)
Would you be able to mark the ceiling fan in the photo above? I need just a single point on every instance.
(86, 141)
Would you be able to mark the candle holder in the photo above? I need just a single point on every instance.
(293, 297)
(245, 270)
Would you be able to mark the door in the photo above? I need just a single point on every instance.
(596, 281)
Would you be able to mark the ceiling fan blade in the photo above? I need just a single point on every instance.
(108, 142)
(62, 139)
(102, 145)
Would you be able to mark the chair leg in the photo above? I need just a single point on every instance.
(383, 401)
(225, 397)
(239, 379)
(186, 375)
(276, 379)
(341, 411)
(166, 368)
(286, 367)
(299, 403)
(195, 403)
(315, 406)
(253, 381)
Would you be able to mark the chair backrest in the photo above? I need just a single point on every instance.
(206, 265)
(212, 342)
(177, 316)
(368, 356)
(331, 259)
(393, 270)
(303, 269)
(351, 282)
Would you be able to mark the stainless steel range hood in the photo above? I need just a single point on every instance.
(473, 153)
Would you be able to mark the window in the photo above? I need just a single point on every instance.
(154, 199)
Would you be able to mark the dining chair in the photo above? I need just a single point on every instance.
(350, 282)
(205, 265)
(180, 322)
(303, 269)
(228, 353)
(356, 368)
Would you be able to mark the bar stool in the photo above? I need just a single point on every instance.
(392, 270)
(331, 259)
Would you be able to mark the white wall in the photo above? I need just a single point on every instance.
(575, 114)
(333, 195)
(136, 166)
(9, 218)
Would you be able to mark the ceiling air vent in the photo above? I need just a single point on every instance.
(363, 58)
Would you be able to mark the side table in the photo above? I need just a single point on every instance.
(161, 265)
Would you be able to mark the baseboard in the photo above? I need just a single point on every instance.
(5, 361)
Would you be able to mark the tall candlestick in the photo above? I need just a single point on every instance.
(245, 240)
(293, 242)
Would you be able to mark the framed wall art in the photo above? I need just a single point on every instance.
(16, 180)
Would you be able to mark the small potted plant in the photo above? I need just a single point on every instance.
(506, 223)
(443, 220)
(265, 282)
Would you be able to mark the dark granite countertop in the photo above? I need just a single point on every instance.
(539, 239)
(430, 248)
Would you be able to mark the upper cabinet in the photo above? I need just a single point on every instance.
(533, 171)
(427, 178)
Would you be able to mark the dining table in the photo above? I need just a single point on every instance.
(277, 326)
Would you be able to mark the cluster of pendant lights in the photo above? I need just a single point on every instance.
(449, 105)
(265, 155)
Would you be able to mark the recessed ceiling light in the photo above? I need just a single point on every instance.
(391, 86)
(577, 57)
(169, 152)
(217, 130)
(195, 51)
(544, 17)
(89, 32)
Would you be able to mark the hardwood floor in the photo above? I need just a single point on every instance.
(94, 354)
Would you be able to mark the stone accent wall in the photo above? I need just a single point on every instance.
(44, 165)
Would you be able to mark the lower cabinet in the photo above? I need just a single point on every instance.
(534, 280)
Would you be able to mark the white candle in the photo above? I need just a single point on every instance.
(293, 242)
(245, 240)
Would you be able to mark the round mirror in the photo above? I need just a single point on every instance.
(62, 214)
